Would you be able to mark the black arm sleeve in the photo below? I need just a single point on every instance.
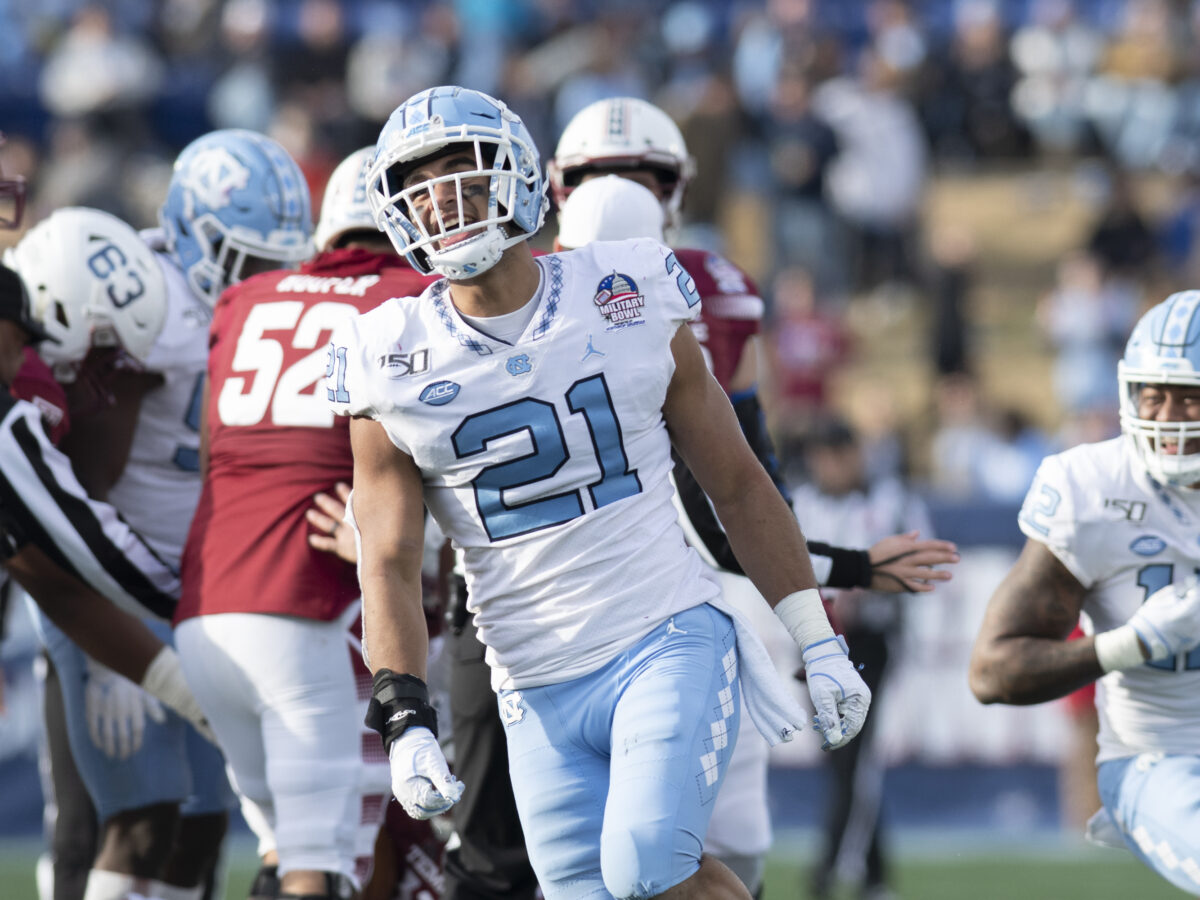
(699, 511)
(754, 427)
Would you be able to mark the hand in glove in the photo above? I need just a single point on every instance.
(839, 695)
(116, 711)
(164, 679)
(421, 780)
(1168, 622)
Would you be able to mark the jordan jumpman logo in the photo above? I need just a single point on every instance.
(591, 350)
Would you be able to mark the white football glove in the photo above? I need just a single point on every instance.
(116, 711)
(839, 695)
(1168, 622)
(421, 780)
(164, 679)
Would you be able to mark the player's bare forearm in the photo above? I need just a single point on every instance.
(761, 527)
(1022, 654)
(388, 510)
(99, 627)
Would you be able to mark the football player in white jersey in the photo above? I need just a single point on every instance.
(532, 404)
(1112, 534)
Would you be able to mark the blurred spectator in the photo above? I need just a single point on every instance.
(950, 278)
(1055, 53)
(779, 31)
(1179, 237)
(965, 91)
(310, 72)
(978, 452)
(81, 168)
(1131, 99)
(402, 53)
(804, 346)
(1121, 239)
(899, 40)
(802, 147)
(877, 180)
(713, 131)
(93, 69)
(1087, 319)
(243, 95)
(610, 68)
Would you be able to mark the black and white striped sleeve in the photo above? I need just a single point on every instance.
(42, 502)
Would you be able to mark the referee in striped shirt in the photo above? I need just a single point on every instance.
(85, 567)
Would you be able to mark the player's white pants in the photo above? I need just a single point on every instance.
(280, 695)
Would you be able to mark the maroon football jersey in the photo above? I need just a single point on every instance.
(35, 383)
(273, 441)
(731, 309)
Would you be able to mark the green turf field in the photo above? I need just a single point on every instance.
(962, 872)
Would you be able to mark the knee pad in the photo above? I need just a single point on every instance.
(337, 887)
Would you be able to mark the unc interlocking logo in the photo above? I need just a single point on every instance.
(214, 175)
(518, 365)
(511, 710)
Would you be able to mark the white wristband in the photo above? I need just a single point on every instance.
(1119, 649)
(803, 614)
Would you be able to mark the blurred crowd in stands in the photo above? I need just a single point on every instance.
(817, 125)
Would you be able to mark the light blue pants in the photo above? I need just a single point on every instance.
(173, 765)
(1155, 802)
(615, 773)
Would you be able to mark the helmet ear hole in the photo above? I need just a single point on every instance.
(60, 314)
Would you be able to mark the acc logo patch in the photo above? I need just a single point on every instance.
(1148, 545)
(619, 300)
(439, 393)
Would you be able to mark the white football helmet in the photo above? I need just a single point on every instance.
(611, 208)
(344, 207)
(1164, 348)
(92, 282)
(426, 125)
(623, 133)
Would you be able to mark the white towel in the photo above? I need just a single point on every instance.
(775, 712)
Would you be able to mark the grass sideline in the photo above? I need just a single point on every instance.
(956, 871)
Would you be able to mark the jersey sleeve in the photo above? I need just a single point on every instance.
(346, 370)
(680, 286)
(660, 277)
(1050, 515)
(42, 503)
